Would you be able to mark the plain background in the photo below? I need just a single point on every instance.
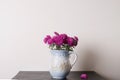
(24, 24)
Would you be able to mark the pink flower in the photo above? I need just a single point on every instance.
(75, 43)
(47, 38)
(76, 38)
(56, 33)
(83, 76)
(50, 41)
(64, 36)
(58, 40)
(70, 41)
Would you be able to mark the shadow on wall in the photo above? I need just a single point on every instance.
(90, 59)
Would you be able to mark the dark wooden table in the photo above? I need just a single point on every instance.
(44, 75)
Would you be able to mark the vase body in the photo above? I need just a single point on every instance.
(60, 65)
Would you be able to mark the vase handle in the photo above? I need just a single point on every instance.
(75, 59)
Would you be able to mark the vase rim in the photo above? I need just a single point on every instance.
(61, 50)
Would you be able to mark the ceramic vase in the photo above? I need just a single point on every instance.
(60, 65)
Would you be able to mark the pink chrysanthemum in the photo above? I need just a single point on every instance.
(61, 41)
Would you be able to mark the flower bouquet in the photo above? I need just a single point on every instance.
(61, 45)
(61, 42)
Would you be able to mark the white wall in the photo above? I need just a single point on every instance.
(24, 24)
